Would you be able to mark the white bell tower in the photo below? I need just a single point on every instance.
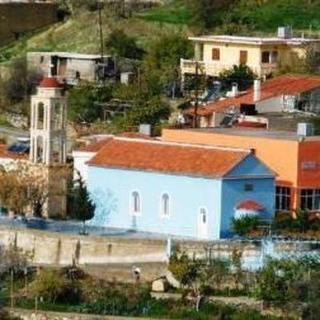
(48, 124)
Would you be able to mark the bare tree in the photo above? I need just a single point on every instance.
(25, 187)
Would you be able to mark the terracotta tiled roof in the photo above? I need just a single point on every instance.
(283, 85)
(4, 153)
(96, 146)
(135, 135)
(249, 205)
(248, 124)
(167, 157)
(49, 82)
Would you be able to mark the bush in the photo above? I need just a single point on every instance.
(242, 75)
(123, 45)
(284, 280)
(245, 225)
(21, 82)
(83, 102)
(58, 285)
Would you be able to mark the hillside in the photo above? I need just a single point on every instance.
(248, 15)
(80, 32)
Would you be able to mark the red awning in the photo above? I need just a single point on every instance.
(249, 205)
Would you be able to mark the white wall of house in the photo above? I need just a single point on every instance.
(80, 159)
(274, 104)
(86, 68)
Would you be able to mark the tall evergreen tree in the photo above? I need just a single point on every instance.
(83, 207)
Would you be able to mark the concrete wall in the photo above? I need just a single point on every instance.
(61, 249)
(274, 104)
(19, 18)
(113, 257)
(229, 56)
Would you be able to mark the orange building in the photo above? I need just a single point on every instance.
(294, 158)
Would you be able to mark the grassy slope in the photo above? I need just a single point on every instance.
(173, 11)
(267, 15)
(260, 15)
(80, 33)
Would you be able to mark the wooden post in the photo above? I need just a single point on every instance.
(11, 289)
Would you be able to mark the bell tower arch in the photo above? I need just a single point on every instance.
(48, 124)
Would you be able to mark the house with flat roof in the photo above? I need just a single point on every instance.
(293, 156)
(264, 55)
(179, 189)
(284, 94)
(71, 67)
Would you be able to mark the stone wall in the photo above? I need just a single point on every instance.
(42, 315)
(19, 18)
(60, 249)
(50, 248)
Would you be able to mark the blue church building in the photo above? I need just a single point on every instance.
(177, 189)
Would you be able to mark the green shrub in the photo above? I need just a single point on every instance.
(57, 286)
(245, 225)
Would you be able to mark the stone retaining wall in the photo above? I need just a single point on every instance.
(43, 315)
(50, 248)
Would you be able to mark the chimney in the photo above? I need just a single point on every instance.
(256, 90)
(145, 129)
(305, 130)
(234, 90)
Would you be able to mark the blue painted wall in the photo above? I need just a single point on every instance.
(111, 190)
(251, 166)
(249, 171)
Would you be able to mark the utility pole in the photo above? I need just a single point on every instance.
(11, 289)
(196, 103)
(100, 6)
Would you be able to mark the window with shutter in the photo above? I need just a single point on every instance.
(243, 57)
(215, 54)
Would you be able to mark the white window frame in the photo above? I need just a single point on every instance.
(314, 197)
(200, 221)
(282, 197)
(162, 213)
(132, 204)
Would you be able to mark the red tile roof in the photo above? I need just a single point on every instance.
(167, 157)
(98, 145)
(286, 84)
(49, 82)
(135, 135)
(249, 124)
(249, 205)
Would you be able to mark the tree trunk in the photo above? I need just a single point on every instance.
(198, 302)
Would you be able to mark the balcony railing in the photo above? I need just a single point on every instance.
(215, 68)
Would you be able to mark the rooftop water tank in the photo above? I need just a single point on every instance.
(284, 32)
(305, 129)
